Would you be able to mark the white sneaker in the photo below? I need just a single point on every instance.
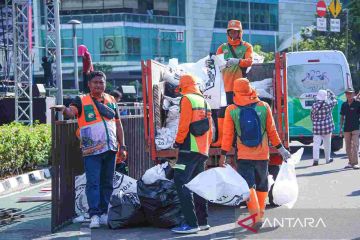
(204, 227)
(356, 167)
(94, 222)
(104, 219)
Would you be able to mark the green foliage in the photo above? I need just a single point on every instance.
(268, 56)
(103, 67)
(23, 147)
(345, 41)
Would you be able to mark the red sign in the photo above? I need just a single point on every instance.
(321, 8)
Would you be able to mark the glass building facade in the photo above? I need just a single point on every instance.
(121, 33)
(264, 23)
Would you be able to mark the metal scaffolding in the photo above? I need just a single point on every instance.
(22, 36)
(6, 38)
(50, 43)
(50, 31)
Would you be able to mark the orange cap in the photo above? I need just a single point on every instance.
(235, 25)
(242, 86)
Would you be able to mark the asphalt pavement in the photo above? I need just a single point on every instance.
(328, 207)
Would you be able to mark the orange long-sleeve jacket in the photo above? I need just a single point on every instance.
(202, 143)
(244, 51)
(260, 152)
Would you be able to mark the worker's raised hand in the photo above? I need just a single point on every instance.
(222, 161)
(58, 108)
(232, 62)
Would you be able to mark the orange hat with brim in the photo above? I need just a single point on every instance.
(235, 25)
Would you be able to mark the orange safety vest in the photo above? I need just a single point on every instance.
(200, 144)
(233, 72)
(97, 133)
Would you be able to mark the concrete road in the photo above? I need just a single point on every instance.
(328, 207)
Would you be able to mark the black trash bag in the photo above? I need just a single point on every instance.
(160, 203)
(169, 172)
(125, 211)
(170, 90)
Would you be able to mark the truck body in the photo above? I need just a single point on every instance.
(153, 94)
(307, 73)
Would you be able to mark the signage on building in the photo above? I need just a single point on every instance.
(108, 45)
(321, 24)
(334, 25)
(321, 8)
(335, 8)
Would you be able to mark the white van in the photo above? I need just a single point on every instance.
(307, 73)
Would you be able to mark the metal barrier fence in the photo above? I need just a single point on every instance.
(67, 163)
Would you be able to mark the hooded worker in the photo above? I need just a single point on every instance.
(252, 122)
(239, 56)
(193, 140)
(87, 66)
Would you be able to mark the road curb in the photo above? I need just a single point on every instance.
(24, 180)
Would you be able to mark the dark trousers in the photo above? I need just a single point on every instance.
(255, 173)
(99, 170)
(273, 170)
(85, 83)
(194, 207)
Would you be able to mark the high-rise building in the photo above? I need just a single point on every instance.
(121, 33)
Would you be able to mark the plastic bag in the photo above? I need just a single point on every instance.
(155, 173)
(160, 203)
(220, 185)
(121, 183)
(286, 189)
(125, 211)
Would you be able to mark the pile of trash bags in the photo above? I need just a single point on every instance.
(155, 202)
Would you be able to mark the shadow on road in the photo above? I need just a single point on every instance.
(354, 194)
(321, 173)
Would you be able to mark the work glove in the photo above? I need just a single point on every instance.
(284, 153)
(210, 63)
(232, 61)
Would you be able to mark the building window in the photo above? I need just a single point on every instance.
(133, 46)
(264, 16)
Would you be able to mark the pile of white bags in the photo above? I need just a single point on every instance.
(286, 189)
(221, 185)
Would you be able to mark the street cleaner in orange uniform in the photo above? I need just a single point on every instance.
(193, 140)
(239, 56)
(100, 132)
(252, 122)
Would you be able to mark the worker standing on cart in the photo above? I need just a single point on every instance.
(252, 122)
(193, 140)
(239, 56)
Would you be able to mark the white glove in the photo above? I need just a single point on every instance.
(284, 153)
(232, 61)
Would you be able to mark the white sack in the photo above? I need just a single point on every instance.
(220, 185)
(209, 80)
(286, 189)
(165, 137)
(263, 88)
(155, 173)
(121, 183)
